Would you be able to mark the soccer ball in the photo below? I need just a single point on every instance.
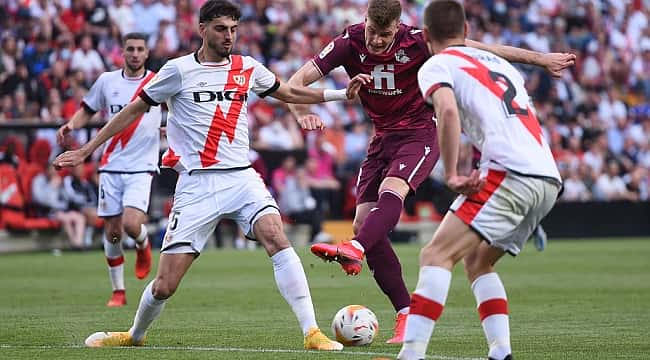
(355, 325)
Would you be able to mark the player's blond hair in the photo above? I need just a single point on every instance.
(383, 12)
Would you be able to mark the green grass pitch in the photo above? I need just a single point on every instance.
(582, 299)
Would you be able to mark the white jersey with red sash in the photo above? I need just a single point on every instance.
(207, 126)
(136, 148)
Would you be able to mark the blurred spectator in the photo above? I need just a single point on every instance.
(20, 81)
(8, 56)
(87, 59)
(322, 181)
(81, 195)
(279, 134)
(297, 204)
(122, 15)
(74, 18)
(148, 17)
(574, 188)
(610, 185)
(356, 142)
(47, 192)
(97, 19)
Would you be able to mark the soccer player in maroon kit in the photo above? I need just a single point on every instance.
(404, 149)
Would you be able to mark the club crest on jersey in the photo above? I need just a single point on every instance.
(239, 79)
(401, 57)
(362, 57)
(326, 50)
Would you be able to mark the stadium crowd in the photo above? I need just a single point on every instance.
(596, 117)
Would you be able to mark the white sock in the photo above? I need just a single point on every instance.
(403, 310)
(148, 311)
(292, 283)
(115, 259)
(492, 306)
(88, 236)
(142, 239)
(427, 303)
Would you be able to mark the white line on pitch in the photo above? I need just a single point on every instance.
(225, 349)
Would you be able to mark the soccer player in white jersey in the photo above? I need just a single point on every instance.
(500, 204)
(127, 163)
(207, 129)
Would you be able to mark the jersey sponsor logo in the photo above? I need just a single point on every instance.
(210, 95)
(116, 108)
(401, 57)
(328, 49)
(384, 73)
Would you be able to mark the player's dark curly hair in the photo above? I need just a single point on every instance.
(383, 12)
(445, 19)
(216, 8)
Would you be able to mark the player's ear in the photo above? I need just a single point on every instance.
(202, 29)
(425, 34)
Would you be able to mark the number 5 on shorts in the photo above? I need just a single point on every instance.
(173, 221)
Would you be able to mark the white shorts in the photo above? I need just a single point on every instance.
(202, 199)
(119, 190)
(508, 208)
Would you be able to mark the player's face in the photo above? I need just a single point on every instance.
(379, 39)
(219, 34)
(135, 53)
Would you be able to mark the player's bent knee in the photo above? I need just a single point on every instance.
(163, 289)
(474, 267)
(432, 255)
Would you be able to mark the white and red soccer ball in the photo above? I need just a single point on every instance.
(355, 325)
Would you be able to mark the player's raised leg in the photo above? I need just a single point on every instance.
(134, 220)
(115, 258)
(136, 204)
(291, 280)
(451, 242)
(171, 269)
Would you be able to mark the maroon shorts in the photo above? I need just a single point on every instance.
(407, 154)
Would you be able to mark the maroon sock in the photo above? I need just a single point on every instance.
(387, 271)
(380, 221)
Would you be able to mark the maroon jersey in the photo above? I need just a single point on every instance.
(393, 100)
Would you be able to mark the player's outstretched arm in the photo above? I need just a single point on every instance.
(444, 101)
(78, 120)
(296, 94)
(125, 117)
(553, 63)
(305, 76)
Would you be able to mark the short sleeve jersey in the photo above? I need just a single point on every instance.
(207, 125)
(134, 149)
(494, 108)
(392, 100)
